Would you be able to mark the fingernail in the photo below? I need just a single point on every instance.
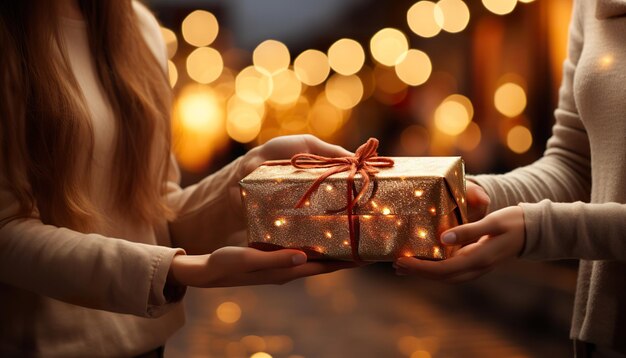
(298, 259)
(448, 238)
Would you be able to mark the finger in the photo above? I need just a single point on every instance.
(438, 269)
(477, 202)
(255, 260)
(284, 275)
(467, 233)
(319, 147)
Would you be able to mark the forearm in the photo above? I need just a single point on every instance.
(87, 270)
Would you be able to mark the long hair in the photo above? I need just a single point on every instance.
(46, 138)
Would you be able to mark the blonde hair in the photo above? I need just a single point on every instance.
(45, 120)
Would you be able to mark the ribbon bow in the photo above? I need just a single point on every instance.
(365, 162)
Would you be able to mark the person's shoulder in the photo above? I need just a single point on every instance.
(151, 30)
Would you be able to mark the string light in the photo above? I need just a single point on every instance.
(388, 46)
(346, 56)
(200, 28)
(519, 139)
(204, 65)
(510, 99)
(271, 56)
(414, 68)
(312, 67)
(500, 7)
(424, 18)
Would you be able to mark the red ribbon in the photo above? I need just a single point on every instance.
(365, 162)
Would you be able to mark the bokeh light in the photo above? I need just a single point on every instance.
(252, 85)
(424, 18)
(228, 312)
(470, 138)
(200, 28)
(388, 45)
(243, 120)
(414, 68)
(204, 65)
(519, 139)
(197, 126)
(312, 67)
(344, 92)
(260, 355)
(271, 56)
(456, 15)
(172, 73)
(286, 87)
(171, 41)
(500, 7)
(324, 118)
(346, 56)
(453, 114)
(510, 99)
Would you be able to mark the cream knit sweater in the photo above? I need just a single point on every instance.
(49, 275)
(574, 197)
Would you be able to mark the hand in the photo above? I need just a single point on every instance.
(286, 146)
(477, 201)
(486, 243)
(244, 266)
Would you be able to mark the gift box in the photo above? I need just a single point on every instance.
(398, 210)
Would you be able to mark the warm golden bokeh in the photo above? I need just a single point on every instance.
(519, 139)
(510, 99)
(414, 68)
(346, 56)
(197, 125)
(456, 15)
(204, 65)
(324, 118)
(171, 41)
(344, 92)
(286, 87)
(500, 7)
(228, 312)
(200, 28)
(172, 73)
(271, 56)
(388, 46)
(453, 115)
(312, 67)
(470, 138)
(252, 85)
(424, 18)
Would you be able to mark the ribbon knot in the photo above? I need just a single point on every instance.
(365, 162)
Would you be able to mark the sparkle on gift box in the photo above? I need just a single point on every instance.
(268, 236)
(243, 193)
(307, 203)
(329, 187)
(367, 217)
(399, 222)
(419, 193)
(346, 242)
(328, 234)
(386, 211)
(433, 210)
(421, 233)
(437, 252)
(279, 222)
(374, 204)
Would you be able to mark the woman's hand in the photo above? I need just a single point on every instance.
(477, 201)
(285, 147)
(244, 266)
(486, 243)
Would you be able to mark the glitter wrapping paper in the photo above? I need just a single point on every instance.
(414, 202)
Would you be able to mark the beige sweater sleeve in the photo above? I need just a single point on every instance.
(557, 227)
(84, 269)
(209, 212)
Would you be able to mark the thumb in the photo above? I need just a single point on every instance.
(466, 234)
(265, 260)
(319, 147)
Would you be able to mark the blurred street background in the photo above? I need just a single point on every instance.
(476, 78)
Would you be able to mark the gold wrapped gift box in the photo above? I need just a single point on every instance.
(403, 212)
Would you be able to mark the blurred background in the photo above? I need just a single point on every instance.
(472, 78)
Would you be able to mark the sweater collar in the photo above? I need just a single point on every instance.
(610, 8)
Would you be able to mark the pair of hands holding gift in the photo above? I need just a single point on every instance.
(241, 266)
(486, 241)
